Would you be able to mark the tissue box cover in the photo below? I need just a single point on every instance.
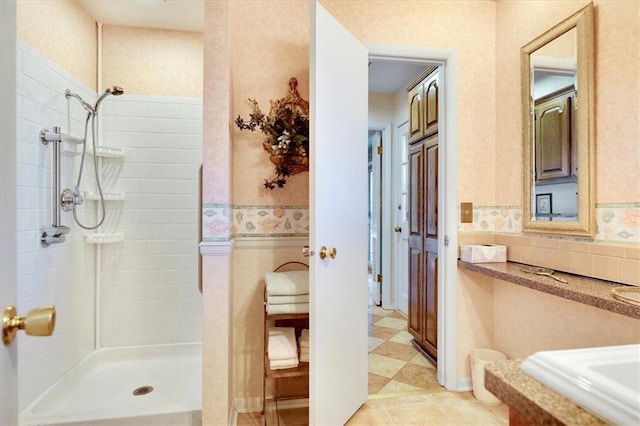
(477, 253)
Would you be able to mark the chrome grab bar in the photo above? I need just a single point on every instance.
(55, 233)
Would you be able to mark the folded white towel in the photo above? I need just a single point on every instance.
(287, 283)
(282, 343)
(304, 351)
(305, 333)
(279, 364)
(283, 300)
(303, 343)
(304, 357)
(289, 308)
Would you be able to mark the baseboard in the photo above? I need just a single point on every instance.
(463, 384)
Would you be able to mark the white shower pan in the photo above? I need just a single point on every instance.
(100, 390)
(604, 381)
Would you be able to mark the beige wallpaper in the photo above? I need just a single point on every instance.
(264, 59)
(153, 62)
(63, 32)
(269, 45)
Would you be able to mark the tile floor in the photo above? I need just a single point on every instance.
(403, 389)
(395, 365)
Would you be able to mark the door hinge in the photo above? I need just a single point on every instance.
(379, 278)
(379, 149)
(446, 241)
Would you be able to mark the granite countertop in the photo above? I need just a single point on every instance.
(531, 400)
(589, 291)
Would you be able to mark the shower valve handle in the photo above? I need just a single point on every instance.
(68, 199)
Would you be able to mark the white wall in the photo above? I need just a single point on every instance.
(60, 275)
(149, 282)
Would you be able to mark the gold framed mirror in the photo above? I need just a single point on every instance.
(558, 128)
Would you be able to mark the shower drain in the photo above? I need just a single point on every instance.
(142, 390)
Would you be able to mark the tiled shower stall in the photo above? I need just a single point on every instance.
(142, 290)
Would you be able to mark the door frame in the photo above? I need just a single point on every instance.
(447, 60)
(386, 211)
(8, 235)
(400, 271)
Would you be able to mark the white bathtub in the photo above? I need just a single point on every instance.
(99, 390)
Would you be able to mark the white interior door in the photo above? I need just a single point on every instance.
(376, 216)
(401, 227)
(338, 219)
(8, 354)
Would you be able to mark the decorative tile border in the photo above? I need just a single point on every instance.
(216, 222)
(270, 221)
(221, 222)
(618, 222)
(614, 222)
(506, 219)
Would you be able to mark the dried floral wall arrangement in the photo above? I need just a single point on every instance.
(287, 130)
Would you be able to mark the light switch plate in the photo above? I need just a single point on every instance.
(466, 212)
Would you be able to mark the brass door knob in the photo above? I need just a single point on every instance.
(38, 322)
(324, 252)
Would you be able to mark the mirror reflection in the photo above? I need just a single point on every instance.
(558, 128)
(555, 189)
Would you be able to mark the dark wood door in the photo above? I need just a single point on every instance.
(430, 337)
(431, 105)
(416, 226)
(553, 136)
(423, 245)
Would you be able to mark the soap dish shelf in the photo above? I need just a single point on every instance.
(107, 151)
(103, 238)
(111, 196)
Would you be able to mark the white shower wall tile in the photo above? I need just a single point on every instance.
(151, 279)
(62, 274)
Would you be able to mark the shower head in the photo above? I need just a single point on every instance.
(114, 90)
(69, 94)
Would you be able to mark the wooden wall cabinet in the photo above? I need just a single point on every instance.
(423, 216)
(555, 150)
(423, 106)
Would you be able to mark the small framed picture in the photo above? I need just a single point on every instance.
(543, 204)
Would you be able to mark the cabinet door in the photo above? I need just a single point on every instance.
(431, 105)
(553, 137)
(416, 226)
(430, 337)
(416, 113)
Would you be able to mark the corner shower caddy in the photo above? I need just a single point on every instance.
(105, 237)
